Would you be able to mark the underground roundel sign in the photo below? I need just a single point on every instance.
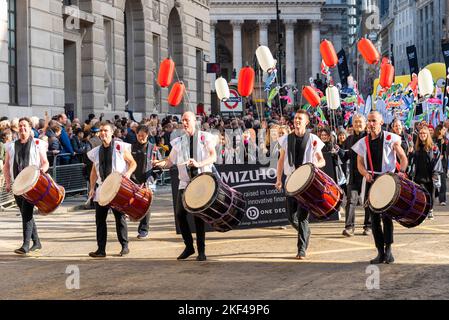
(233, 104)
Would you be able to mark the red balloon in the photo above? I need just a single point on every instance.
(368, 51)
(176, 93)
(328, 53)
(311, 96)
(386, 75)
(246, 81)
(166, 72)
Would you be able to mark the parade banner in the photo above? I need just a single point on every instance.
(343, 70)
(412, 57)
(266, 206)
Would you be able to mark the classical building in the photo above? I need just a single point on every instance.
(238, 27)
(92, 56)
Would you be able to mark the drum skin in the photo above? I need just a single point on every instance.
(132, 200)
(410, 204)
(320, 194)
(224, 211)
(45, 194)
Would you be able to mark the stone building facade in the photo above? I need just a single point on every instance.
(239, 27)
(92, 56)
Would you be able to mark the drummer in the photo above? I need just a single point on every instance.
(298, 148)
(376, 154)
(24, 152)
(193, 153)
(112, 155)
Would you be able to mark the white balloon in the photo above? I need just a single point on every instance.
(333, 97)
(265, 59)
(425, 82)
(222, 88)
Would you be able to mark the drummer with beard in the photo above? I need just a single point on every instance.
(193, 153)
(377, 154)
(111, 156)
(298, 148)
(24, 152)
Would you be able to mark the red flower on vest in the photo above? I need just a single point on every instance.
(36, 142)
(117, 147)
(435, 148)
(202, 138)
(314, 143)
(389, 137)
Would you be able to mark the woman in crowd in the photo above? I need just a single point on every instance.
(441, 142)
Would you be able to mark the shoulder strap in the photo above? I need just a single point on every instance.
(368, 154)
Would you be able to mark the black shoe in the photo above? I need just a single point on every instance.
(36, 246)
(21, 251)
(201, 257)
(379, 259)
(124, 252)
(186, 253)
(388, 256)
(97, 254)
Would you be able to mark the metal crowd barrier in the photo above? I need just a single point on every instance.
(6, 198)
(70, 176)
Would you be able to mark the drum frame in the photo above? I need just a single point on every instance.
(219, 224)
(315, 207)
(392, 207)
(135, 195)
(43, 208)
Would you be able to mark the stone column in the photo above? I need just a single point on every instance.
(263, 32)
(213, 57)
(237, 45)
(290, 50)
(316, 57)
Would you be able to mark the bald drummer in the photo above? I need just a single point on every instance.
(193, 153)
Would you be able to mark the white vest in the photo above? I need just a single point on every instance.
(38, 148)
(180, 154)
(388, 153)
(118, 160)
(313, 146)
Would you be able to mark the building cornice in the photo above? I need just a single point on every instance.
(266, 2)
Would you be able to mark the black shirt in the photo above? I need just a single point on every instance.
(139, 152)
(106, 164)
(423, 170)
(376, 147)
(193, 171)
(355, 177)
(299, 152)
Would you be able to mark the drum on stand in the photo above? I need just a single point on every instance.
(39, 189)
(400, 199)
(210, 199)
(315, 191)
(123, 195)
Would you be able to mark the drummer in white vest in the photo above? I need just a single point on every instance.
(24, 152)
(111, 156)
(298, 148)
(193, 153)
(376, 154)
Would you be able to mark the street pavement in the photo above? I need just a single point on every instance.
(241, 264)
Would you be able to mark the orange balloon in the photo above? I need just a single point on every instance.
(386, 75)
(166, 72)
(328, 53)
(246, 81)
(176, 93)
(368, 51)
(311, 96)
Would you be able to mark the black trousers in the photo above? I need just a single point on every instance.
(181, 215)
(299, 214)
(28, 223)
(144, 224)
(121, 227)
(352, 199)
(382, 236)
(429, 187)
(443, 188)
